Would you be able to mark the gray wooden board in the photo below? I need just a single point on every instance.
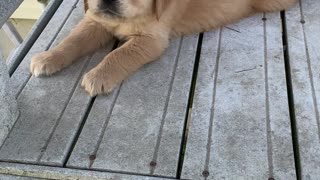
(62, 138)
(143, 120)
(304, 46)
(240, 125)
(8, 104)
(45, 172)
(9, 177)
(51, 111)
(22, 74)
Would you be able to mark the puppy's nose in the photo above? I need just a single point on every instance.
(109, 1)
(110, 7)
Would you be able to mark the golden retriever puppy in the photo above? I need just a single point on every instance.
(146, 27)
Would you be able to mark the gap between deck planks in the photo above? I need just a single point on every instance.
(303, 35)
(41, 95)
(240, 124)
(269, 157)
(141, 131)
(153, 105)
(22, 74)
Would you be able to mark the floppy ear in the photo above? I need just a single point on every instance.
(160, 7)
(86, 6)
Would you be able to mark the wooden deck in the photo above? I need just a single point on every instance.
(241, 102)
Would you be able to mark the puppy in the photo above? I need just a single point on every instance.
(146, 27)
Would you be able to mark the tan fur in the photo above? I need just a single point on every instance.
(146, 26)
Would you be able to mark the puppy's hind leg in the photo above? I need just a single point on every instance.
(86, 38)
(272, 5)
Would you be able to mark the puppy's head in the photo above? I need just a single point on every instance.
(128, 8)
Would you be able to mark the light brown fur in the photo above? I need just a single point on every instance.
(146, 26)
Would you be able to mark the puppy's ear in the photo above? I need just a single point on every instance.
(86, 6)
(161, 6)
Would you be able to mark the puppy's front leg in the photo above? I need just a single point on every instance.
(122, 62)
(86, 38)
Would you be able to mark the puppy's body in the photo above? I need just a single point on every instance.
(211, 14)
(146, 26)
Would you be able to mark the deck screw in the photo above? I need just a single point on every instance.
(264, 19)
(153, 164)
(205, 173)
(92, 157)
(303, 21)
(271, 178)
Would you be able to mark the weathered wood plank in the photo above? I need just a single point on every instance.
(42, 103)
(169, 148)
(58, 147)
(9, 177)
(8, 104)
(303, 28)
(65, 174)
(240, 125)
(142, 122)
(22, 75)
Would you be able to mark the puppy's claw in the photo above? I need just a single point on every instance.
(36, 72)
(40, 70)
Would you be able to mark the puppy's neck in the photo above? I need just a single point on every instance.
(123, 27)
(114, 20)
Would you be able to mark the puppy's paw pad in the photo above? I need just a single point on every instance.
(45, 63)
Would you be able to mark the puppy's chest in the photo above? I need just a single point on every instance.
(124, 30)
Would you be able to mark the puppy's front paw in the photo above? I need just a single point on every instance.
(98, 81)
(45, 63)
